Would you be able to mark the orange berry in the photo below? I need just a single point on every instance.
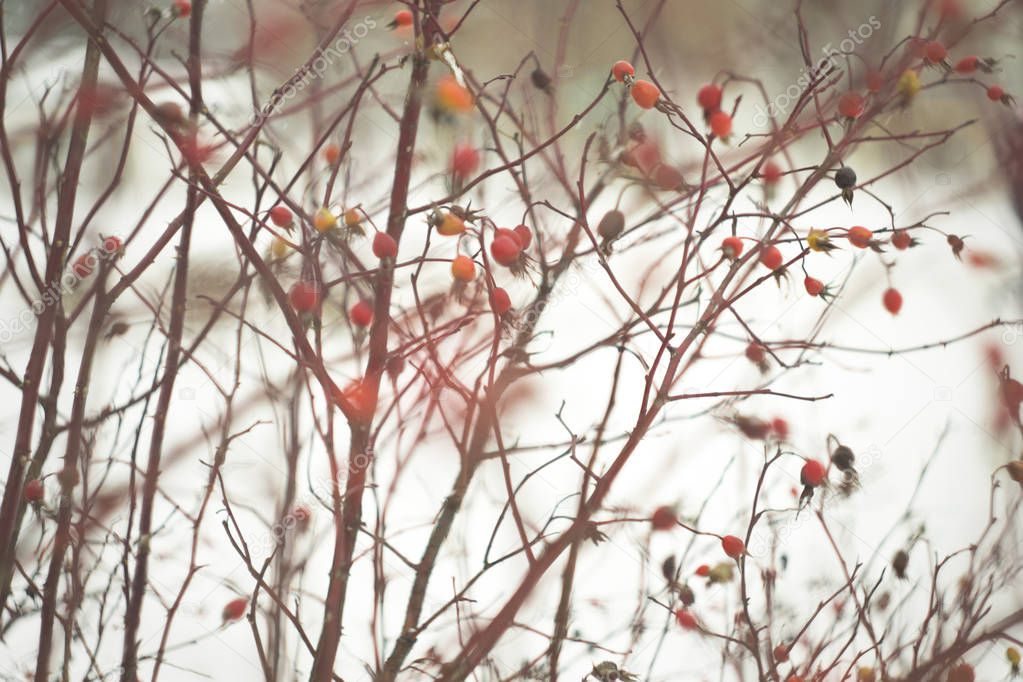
(731, 247)
(709, 97)
(733, 546)
(645, 94)
(892, 301)
(860, 236)
(771, 258)
(463, 269)
(332, 153)
(453, 96)
(720, 124)
(622, 70)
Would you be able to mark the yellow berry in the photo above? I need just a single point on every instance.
(324, 220)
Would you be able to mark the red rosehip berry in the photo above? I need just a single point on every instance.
(182, 8)
(851, 105)
(645, 94)
(113, 246)
(771, 173)
(332, 154)
(781, 653)
(709, 97)
(780, 428)
(813, 473)
(935, 52)
(235, 609)
(731, 247)
(663, 518)
(770, 257)
(703, 570)
(733, 546)
(500, 302)
(995, 93)
(720, 124)
(464, 161)
(859, 236)
(686, 620)
(384, 246)
(34, 490)
(305, 296)
(668, 177)
(901, 240)
(361, 314)
(967, 64)
(402, 18)
(280, 216)
(622, 70)
(505, 250)
(892, 301)
(524, 235)
(814, 286)
(361, 396)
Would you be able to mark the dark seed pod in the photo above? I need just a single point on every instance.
(541, 81)
(685, 594)
(668, 568)
(843, 458)
(611, 225)
(899, 563)
(845, 178)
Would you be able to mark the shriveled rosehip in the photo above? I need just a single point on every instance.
(34, 490)
(733, 546)
(505, 250)
(720, 124)
(892, 301)
(463, 269)
(182, 8)
(611, 225)
(967, 64)
(500, 301)
(384, 246)
(813, 473)
(622, 70)
(731, 247)
(770, 173)
(902, 240)
(464, 160)
(361, 314)
(524, 235)
(851, 105)
(332, 154)
(995, 93)
(280, 216)
(781, 653)
(935, 52)
(304, 296)
(859, 236)
(845, 178)
(663, 518)
(686, 620)
(645, 94)
(961, 673)
(755, 353)
(814, 286)
(771, 258)
(709, 97)
(235, 609)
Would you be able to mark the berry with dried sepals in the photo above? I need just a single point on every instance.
(813, 286)
(955, 242)
(771, 258)
(770, 173)
(524, 235)
(324, 220)
(384, 246)
(610, 228)
(781, 653)
(505, 250)
(281, 216)
(900, 562)
(542, 81)
(500, 302)
(720, 123)
(402, 19)
(709, 98)
(645, 94)
(819, 241)
(859, 236)
(304, 296)
(623, 71)
(902, 240)
(845, 180)
(686, 620)
(935, 52)
(447, 223)
(463, 269)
